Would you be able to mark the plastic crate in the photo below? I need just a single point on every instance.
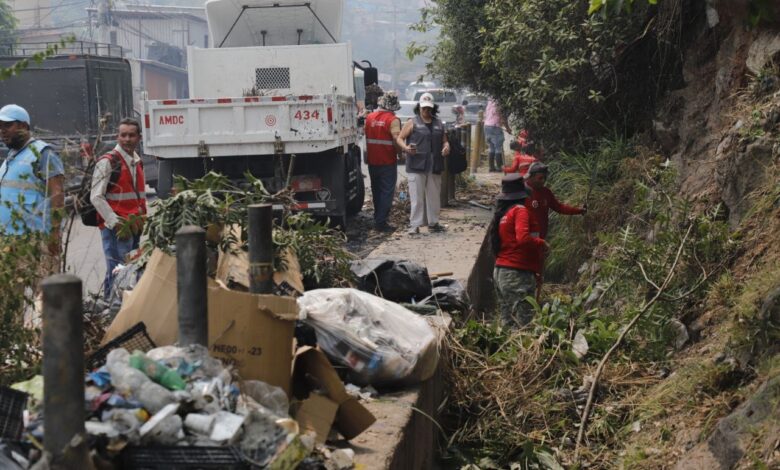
(12, 405)
(133, 339)
(181, 458)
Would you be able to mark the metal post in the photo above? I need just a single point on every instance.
(191, 288)
(261, 249)
(444, 191)
(63, 362)
(476, 142)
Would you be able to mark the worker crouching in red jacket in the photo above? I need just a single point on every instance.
(519, 254)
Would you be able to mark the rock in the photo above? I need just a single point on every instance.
(770, 308)
(580, 345)
(680, 333)
(727, 444)
(762, 50)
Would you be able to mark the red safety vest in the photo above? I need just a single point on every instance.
(379, 140)
(121, 196)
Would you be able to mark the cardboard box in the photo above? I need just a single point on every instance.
(253, 332)
(312, 371)
(152, 301)
(233, 271)
(317, 414)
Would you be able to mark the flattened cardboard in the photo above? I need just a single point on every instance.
(152, 301)
(254, 333)
(352, 418)
(317, 414)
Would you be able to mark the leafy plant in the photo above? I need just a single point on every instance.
(217, 204)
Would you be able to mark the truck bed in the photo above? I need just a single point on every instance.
(252, 125)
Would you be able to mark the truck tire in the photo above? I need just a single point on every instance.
(164, 178)
(355, 205)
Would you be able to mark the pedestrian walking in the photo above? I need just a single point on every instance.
(424, 141)
(382, 148)
(495, 124)
(518, 252)
(31, 185)
(120, 206)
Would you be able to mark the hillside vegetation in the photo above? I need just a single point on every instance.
(658, 346)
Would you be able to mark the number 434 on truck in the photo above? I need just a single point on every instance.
(276, 94)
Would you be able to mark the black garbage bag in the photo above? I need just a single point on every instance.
(395, 280)
(449, 295)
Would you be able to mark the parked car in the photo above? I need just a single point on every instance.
(413, 87)
(474, 104)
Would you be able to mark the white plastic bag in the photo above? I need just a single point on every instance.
(381, 342)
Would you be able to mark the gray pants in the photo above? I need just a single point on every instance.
(512, 287)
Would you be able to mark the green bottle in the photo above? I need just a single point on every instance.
(164, 376)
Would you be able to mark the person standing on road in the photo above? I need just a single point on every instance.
(382, 148)
(121, 206)
(495, 124)
(424, 141)
(518, 252)
(31, 185)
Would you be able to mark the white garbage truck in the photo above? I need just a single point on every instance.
(277, 95)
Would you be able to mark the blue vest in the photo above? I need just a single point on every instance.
(23, 202)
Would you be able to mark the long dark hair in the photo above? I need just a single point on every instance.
(502, 207)
(434, 111)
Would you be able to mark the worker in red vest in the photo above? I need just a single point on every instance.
(120, 206)
(382, 130)
(539, 203)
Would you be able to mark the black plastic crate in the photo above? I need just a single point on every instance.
(182, 458)
(133, 339)
(12, 405)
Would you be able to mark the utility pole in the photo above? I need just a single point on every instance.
(395, 47)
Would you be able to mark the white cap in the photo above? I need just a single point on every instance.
(426, 100)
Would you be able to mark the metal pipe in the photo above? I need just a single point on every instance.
(191, 288)
(63, 362)
(261, 249)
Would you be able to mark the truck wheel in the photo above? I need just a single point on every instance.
(355, 205)
(164, 178)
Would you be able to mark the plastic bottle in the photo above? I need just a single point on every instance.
(164, 376)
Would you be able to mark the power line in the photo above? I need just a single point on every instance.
(51, 7)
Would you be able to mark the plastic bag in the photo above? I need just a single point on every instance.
(448, 295)
(396, 280)
(381, 342)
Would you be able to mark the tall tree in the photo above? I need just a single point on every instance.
(7, 27)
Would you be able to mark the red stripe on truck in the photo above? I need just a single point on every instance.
(170, 102)
(330, 114)
(252, 99)
(305, 97)
(146, 121)
(224, 100)
(278, 98)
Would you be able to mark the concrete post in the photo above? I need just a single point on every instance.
(63, 362)
(191, 287)
(478, 138)
(261, 249)
(444, 191)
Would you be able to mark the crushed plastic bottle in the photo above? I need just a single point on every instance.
(164, 376)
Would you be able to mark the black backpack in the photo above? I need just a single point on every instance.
(457, 159)
(83, 204)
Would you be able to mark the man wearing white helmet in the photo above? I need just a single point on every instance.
(424, 141)
(31, 183)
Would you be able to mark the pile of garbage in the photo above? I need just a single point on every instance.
(180, 396)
